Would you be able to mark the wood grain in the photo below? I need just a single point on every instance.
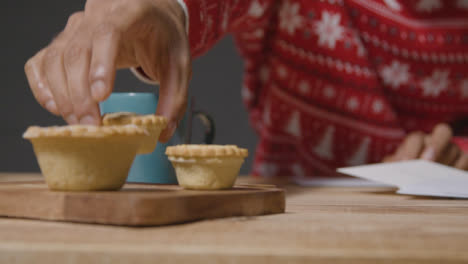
(321, 225)
(137, 204)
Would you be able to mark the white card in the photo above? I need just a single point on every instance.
(416, 177)
(336, 182)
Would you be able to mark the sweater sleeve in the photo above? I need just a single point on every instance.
(210, 20)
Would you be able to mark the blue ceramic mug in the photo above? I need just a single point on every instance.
(155, 167)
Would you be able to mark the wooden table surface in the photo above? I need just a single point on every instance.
(322, 225)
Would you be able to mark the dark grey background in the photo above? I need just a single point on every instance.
(27, 26)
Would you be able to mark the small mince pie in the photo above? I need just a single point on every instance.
(206, 167)
(93, 158)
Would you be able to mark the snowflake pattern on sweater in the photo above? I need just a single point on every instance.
(331, 83)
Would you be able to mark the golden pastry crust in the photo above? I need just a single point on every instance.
(85, 158)
(92, 158)
(153, 124)
(86, 163)
(206, 151)
(206, 167)
(125, 118)
(207, 173)
(83, 131)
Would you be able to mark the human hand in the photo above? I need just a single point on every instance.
(437, 146)
(77, 69)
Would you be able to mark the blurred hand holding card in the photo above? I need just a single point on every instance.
(416, 177)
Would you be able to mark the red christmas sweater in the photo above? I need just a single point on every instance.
(332, 83)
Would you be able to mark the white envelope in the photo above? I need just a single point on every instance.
(416, 177)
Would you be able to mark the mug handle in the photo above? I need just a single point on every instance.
(209, 124)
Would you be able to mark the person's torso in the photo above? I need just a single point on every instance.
(344, 80)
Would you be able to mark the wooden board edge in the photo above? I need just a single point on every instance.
(144, 211)
(48, 207)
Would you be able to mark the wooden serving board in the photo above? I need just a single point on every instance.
(137, 204)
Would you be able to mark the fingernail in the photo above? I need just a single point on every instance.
(98, 90)
(40, 85)
(100, 71)
(51, 106)
(428, 154)
(88, 120)
(71, 119)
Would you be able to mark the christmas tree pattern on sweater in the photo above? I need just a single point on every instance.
(332, 83)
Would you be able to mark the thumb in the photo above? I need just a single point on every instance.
(437, 143)
(173, 93)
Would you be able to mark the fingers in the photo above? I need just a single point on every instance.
(436, 147)
(38, 83)
(462, 162)
(76, 71)
(77, 57)
(105, 49)
(173, 98)
(175, 73)
(56, 77)
(451, 155)
(389, 158)
(411, 147)
(47, 75)
(437, 143)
